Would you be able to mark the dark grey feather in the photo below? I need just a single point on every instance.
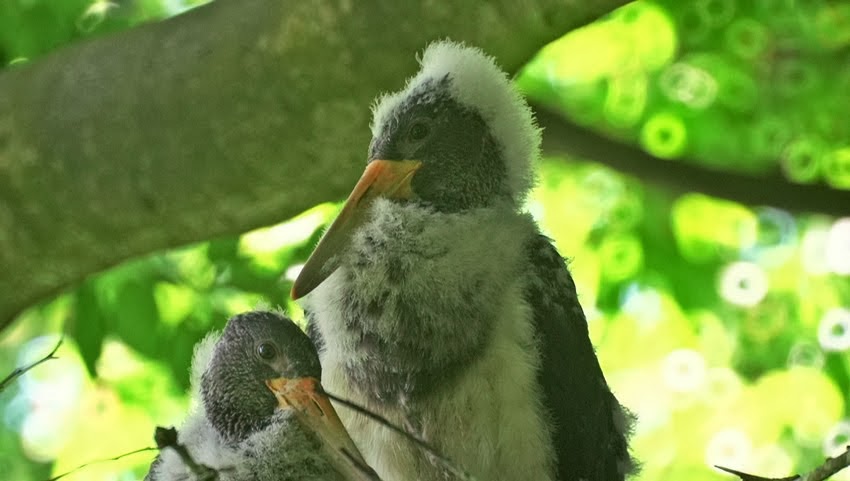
(589, 427)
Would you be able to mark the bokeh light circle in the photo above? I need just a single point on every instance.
(837, 168)
(724, 385)
(746, 37)
(743, 284)
(769, 135)
(838, 247)
(621, 257)
(772, 461)
(684, 370)
(664, 135)
(802, 159)
(807, 354)
(625, 101)
(834, 330)
(717, 12)
(730, 448)
(837, 439)
(689, 85)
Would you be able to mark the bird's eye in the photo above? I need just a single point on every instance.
(418, 131)
(267, 351)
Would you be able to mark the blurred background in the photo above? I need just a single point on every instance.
(724, 326)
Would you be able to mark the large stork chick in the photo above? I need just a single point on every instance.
(262, 415)
(437, 303)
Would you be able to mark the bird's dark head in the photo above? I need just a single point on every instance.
(255, 347)
(463, 129)
(457, 137)
(457, 160)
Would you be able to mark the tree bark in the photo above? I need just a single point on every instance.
(232, 116)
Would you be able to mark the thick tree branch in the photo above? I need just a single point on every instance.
(562, 136)
(234, 115)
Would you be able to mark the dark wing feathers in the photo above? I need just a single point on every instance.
(589, 425)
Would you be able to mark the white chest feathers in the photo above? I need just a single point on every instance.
(485, 412)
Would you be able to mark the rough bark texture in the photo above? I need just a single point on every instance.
(231, 116)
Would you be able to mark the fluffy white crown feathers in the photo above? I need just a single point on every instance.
(478, 83)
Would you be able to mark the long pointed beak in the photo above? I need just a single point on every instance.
(382, 178)
(314, 411)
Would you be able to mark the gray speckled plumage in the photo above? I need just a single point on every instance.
(423, 323)
(449, 313)
(234, 427)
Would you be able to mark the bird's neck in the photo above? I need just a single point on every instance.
(418, 291)
(466, 242)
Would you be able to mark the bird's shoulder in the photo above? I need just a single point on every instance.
(588, 423)
(551, 286)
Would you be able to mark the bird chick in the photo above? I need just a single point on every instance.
(245, 427)
(437, 303)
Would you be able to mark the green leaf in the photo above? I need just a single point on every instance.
(88, 326)
(182, 344)
(136, 318)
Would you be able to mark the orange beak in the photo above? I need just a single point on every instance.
(382, 178)
(314, 411)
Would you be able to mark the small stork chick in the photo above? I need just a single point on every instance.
(437, 303)
(262, 416)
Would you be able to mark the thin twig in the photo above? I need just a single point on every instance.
(445, 462)
(752, 477)
(829, 467)
(116, 458)
(19, 371)
(167, 438)
(821, 473)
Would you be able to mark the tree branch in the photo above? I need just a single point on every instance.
(829, 467)
(99, 461)
(231, 116)
(562, 136)
(19, 371)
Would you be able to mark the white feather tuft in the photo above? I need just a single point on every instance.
(480, 84)
(201, 357)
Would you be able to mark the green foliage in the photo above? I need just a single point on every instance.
(30, 28)
(745, 85)
(713, 312)
(88, 326)
(725, 327)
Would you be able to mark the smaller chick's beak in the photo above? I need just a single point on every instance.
(314, 411)
(382, 178)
